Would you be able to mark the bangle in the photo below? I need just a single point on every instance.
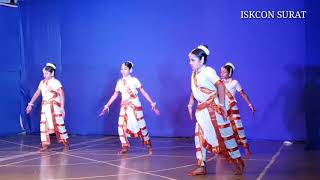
(106, 107)
(189, 106)
(30, 104)
(153, 104)
(249, 105)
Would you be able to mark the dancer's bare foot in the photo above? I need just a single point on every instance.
(43, 149)
(123, 151)
(66, 147)
(247, 152)
(240, 167)
(149, 149)
(200, 170)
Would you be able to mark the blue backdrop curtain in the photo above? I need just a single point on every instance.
(41, 43)
(9, 70)
(90, 41)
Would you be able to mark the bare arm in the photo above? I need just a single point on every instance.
(148, 98)
(111, 100)
(221, 92)
(33, 99)
(190, 105)
(61, 93)
(35, 96)
(146, 95)
(191, 100)
(246, 98)
(221, 95)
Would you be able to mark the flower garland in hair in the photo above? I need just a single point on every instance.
(204, 49)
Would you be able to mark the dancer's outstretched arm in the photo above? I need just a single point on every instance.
(111, 100)
(33, 99)
(153, 104)
(246, 98)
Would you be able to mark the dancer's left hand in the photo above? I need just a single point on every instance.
(155, 109)
(252, 108)
(104, 110)
(28, 109)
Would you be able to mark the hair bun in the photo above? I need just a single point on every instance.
(231, 65)
(130, 63)
(205, 49)
(51, 65)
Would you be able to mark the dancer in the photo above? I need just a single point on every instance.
(52, 109)
(232, 86)
(213, 131)
(131, 121)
